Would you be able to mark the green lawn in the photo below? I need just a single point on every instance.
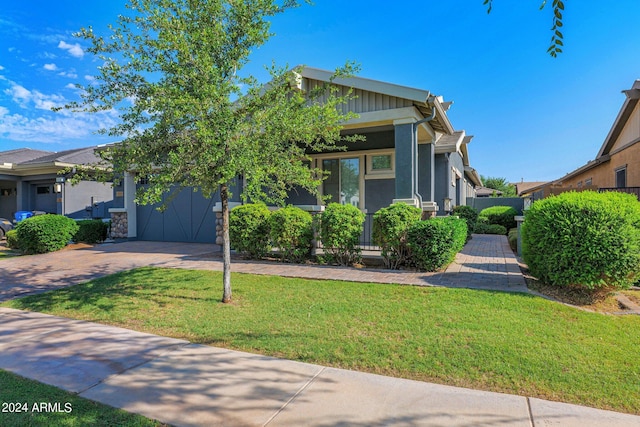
(505, 342)
(30, 403)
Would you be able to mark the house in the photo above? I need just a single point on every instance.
(488, 192)
(617, 164)
(412, 154)
(523, 188)
(30, 181)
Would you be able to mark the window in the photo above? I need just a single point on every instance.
(579, 184)
(380, 165)
(621, 177)
(381, 162)
(587, 182)
(343, 182)
(43, 189)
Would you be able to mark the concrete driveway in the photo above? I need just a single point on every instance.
(26, 275)
(486, 262)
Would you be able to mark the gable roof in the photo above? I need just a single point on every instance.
(78, 156)
(524, 187)
(423, 100)
(27, 161)
(633, 96)
(21, 155)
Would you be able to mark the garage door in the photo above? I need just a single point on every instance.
(188, 218)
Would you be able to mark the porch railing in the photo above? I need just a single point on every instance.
(366, 237)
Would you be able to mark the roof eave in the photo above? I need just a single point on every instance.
(632, 98)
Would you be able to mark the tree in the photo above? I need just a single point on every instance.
(556, 44)
(501, 184)
(188, 119)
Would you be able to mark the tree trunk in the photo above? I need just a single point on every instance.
(226, 245)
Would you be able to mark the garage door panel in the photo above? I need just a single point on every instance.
(188, 217)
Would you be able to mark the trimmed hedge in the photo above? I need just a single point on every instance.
(390, 227)
(12, 239)
(249, 230)
(45, 233)
(291, 231)
(501, 215)
(433, 243)
(91, 231)
(513, 239)
(340, 230)
(482, 228)
(584, 239)
(469, 214)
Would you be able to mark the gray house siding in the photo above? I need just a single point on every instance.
(8, 202)
(378, 193)
(424, 171)
(447, 184)
(365, 101)
(300, 196)
(87, 200)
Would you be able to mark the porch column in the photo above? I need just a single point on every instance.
(124, 220)
(130, 205)
(405, 162)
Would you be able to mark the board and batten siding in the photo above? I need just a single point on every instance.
(364, 101)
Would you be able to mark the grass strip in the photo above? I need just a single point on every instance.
(28, 403)
(505, 342)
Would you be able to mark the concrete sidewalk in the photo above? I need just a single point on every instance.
(185, 384)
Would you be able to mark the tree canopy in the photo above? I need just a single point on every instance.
(172, 71)
(555, 47)
(501, 184)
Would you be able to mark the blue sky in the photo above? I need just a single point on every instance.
(533, 117)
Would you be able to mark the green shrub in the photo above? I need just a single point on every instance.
(460, 232)
(584, 239)
(45, 233)
(91, 231)
(340, 230)
(390, 227)
(482, 228)
(12, 239)
(249, 230)
(513, 239)
(469, 214)
(501, 215)
(433, 243)
(292, 232)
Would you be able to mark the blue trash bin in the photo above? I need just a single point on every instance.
(20, 215)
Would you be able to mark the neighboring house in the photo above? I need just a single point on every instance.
(487, 192)
(412, 154)
(30, 181)
(523, 188)
(617, 164)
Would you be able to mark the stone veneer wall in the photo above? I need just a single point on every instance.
(219, 240)
(119, 225)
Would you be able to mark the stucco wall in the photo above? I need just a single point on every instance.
(603, 175)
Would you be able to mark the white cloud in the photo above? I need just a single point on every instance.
(71, 74)
(25, 98)
(1, 68)
(50, 67)
(73, 49)
(71, 86)
(89, 78)
(53, 128)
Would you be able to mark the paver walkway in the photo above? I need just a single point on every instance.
(486, 262)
